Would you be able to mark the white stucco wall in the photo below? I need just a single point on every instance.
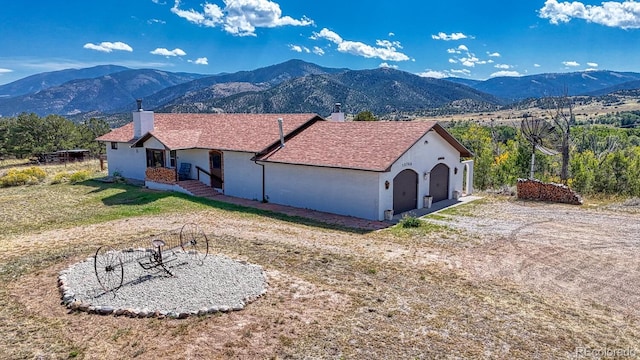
(339, 191)
(195, 157)
(242, 177)
(421, 158)
(129, 162)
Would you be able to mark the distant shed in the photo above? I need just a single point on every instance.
(64, 156)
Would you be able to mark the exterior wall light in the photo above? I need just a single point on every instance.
(386, 185)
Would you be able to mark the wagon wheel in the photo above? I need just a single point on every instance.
(194, 242)
(108, 267)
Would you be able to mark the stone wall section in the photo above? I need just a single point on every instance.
(537, 190)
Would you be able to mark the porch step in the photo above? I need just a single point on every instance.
(196, 188)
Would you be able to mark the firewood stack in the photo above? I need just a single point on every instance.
(537, 190)
(161, 175)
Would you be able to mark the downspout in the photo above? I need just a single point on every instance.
(264, 198)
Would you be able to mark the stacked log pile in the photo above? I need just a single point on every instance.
(161, 175)
(537, 190)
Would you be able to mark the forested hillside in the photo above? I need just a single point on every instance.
(603, 159)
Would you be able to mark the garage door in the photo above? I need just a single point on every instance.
(439, 183)
(405, 191)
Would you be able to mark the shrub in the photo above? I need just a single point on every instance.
(60, 177)
(409, 221)
(79, 176)
(30, 176)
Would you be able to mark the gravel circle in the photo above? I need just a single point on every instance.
(216, 284)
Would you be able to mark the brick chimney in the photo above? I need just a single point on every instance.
(142, 121)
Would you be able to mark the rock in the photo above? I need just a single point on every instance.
(105, 310)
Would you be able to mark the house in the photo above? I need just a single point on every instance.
(360, 169)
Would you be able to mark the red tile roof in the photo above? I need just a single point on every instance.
(237, 132)
(372, 146)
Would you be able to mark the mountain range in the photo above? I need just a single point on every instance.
(292, 86)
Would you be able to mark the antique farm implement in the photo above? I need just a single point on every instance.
(156, 252)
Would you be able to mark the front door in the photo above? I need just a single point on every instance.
(215, 167)
(405, 191)
(439, 183)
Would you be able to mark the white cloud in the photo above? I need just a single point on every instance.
(200, 61)
(449, 37)
(387, 66)
(392, 34)
(166, 52)
(386, 50)
(503, 66)
(298, 48)
(592, 64)
(464, 72)
(156, 21)
(240, 17)
(494, 54)
(318, 51)
(468, 63)
(108, 47)
(625, 14)
(389, 44)
(470, 60)
(537, 65)
(466, 58)
(570, 63)
(433, 74)
(327, 34)
(505, 73)
(4, 71)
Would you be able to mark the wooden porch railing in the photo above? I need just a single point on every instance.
(211, 176)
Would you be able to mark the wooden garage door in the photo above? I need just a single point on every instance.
(405, 191)
(439, 183)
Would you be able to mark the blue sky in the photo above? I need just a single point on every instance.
(463, 38)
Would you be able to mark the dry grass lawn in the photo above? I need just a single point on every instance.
(497, 278)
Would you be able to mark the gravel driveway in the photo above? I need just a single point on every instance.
(585, 254)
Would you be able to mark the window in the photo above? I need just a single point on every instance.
(172, 158)
(155, 158)
(216, 160)
(114, 146)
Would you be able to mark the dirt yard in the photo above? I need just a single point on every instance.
(586, 255)
(497, 278)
